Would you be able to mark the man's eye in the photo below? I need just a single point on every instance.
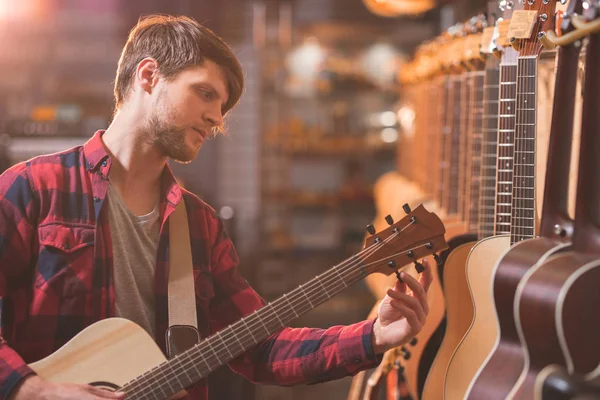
(207, 94)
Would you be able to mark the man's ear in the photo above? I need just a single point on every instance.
(147, 74)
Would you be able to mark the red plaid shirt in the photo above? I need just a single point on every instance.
(56, 276)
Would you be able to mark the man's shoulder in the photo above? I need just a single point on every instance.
(198, 206)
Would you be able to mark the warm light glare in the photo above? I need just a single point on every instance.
(389, 135)
(306, 61)
(226, 212)
(388, 118)
(406, 118)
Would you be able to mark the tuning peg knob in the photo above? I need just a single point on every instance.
(419, 267)
(371, 229)
(389, 220)
(413, 341)
(406, 208)
(405, 353)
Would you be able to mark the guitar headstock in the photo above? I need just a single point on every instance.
(529, 24)
(419, 234)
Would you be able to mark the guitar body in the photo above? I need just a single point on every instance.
(557, 317)
(423, 353)
(435, 297)
(107, 354)
(391, 191)
(497, 377)
(459, 313)
(482, 334)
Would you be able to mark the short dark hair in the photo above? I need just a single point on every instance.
(176, 43)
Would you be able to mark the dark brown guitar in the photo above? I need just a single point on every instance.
(505, 363)
(557, 304)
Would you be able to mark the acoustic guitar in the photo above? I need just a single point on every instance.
(471, 103)
(496, 200)
(117, 354)
(556, 306)
(412, 183)
(503, 365)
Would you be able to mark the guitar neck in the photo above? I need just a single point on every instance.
(506, 135)
(523, 220)
(476, 138)
(446, 111)
(556, 187)
(587, 212)
(217, 350)
(462, 192)
(489, 148)
(453, 146)
(417, 235)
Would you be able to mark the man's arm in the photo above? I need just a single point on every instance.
(290, 356)
(16, 232)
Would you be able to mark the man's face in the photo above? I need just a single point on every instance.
(185, 111)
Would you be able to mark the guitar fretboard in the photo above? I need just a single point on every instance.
(197, 363)
(446, 112)
(523, 201)
(506, 137)
(453, 147)
(476, 137)
(489, 151)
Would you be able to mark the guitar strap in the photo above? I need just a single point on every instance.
(183, 325)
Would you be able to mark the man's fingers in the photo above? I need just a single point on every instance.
(409, 314)
(411, 302)
(426, 276)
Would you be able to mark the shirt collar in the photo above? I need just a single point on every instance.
(96, 157)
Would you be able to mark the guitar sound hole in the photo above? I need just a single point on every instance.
(111, 387)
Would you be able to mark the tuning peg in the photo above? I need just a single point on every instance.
(392, 264)
(371, 229)
(389, 220)
(437, 259)
(406, 208)
(405, 353)
(399, 367)
(419, 267)
(413, 341)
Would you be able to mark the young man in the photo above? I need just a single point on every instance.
(84, 233)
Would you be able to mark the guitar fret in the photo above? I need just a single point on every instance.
(306, 296)
(225, 344)
(290, 304)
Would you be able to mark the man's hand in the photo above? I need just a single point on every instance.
(34, 387)
(402, 311)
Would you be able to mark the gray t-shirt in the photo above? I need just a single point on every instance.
(134, 242)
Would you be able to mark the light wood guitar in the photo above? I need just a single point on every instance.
(470, 130)
(478, 337)
(116, 354)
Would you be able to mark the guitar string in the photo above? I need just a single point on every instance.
(301, 294)
(238, 321)
(132, 390)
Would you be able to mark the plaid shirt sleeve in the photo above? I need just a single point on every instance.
(16, 233)
(291, 356)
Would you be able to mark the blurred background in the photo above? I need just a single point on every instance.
(320, 121)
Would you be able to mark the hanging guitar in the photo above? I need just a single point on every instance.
(556, 308)
(481, 335)
(117, 354)
(504, 365)
(458, 311)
